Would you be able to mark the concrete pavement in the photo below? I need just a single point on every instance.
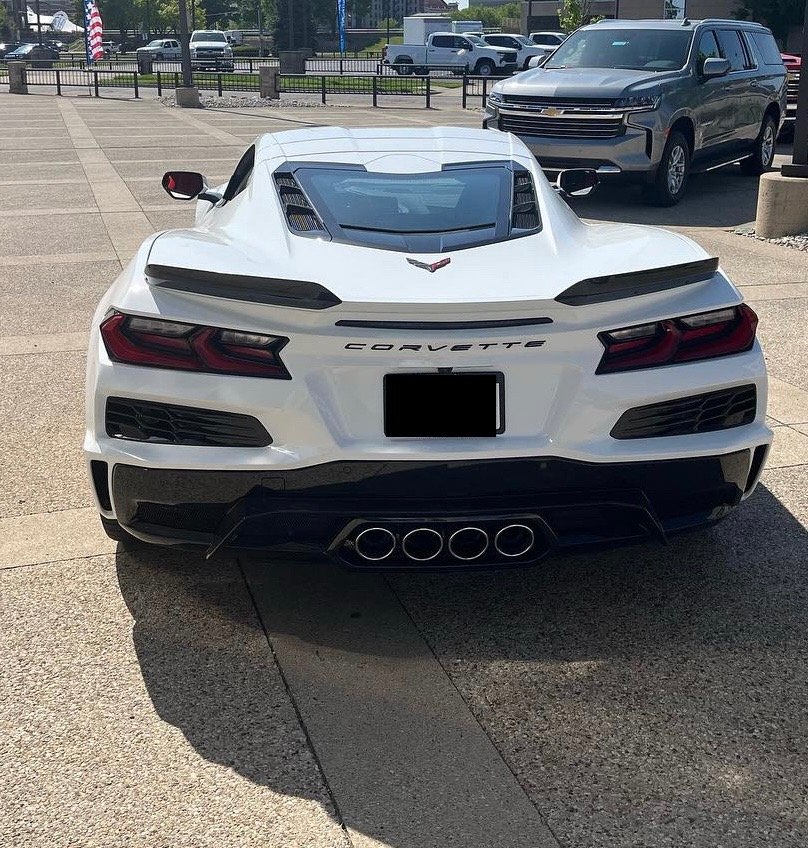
(641, 697)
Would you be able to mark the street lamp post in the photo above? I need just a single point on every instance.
(799, 158)
(39, 23)
(388, 21)
(260, 30)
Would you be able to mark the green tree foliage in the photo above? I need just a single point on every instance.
(3, 20)
(294, 24)
(778, 15)
(575, 13)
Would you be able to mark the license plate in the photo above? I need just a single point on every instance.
(447, 405)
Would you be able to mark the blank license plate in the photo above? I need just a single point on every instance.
(447, 405)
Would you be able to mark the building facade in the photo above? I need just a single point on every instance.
(543, 14)
(397, 10)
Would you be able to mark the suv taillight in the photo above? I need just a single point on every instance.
(676, 340)
(156, 343)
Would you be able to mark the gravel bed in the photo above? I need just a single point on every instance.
(248, 101)
(798, 242)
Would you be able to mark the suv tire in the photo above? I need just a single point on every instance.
(761, 160)
(670, 180)
(485, 68)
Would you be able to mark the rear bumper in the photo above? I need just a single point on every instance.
(322, 508)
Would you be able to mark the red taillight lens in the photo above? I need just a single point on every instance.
(188, 347)
(686, 339)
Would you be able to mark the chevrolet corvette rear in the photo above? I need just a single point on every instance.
(403, 349)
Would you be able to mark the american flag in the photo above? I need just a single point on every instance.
(93, 31)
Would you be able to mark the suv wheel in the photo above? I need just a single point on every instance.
(761, 160)
(485, 68)
(671, 176)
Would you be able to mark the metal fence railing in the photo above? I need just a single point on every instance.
(374, 86)
(475, 87)
(377, 87)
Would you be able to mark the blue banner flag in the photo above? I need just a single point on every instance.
(341, 24)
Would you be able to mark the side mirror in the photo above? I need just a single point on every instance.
(183, 185)
(714, 68)
(577, 182)
(538, 61)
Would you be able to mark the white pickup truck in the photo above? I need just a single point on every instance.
(448, 49)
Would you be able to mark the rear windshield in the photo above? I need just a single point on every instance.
(454, 207)
(631, 49)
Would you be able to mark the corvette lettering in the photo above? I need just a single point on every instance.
(434, 348)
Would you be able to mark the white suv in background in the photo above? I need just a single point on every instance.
(524, 47)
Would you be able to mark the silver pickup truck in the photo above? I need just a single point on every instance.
(650, 100)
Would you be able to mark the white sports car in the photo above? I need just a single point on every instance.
(402, 347)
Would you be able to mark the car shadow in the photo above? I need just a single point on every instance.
(717, 618)
(724, 198)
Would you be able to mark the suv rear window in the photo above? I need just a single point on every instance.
(458, 206)
(632, 49)
(732, 48)
(766, 47)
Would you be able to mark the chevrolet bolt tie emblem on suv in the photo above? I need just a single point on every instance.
(441, 263)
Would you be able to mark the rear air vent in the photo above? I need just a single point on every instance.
(686, 416)
(161, 423)
(300, 214)
(524, 211)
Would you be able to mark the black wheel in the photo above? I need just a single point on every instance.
(404, 67)
(118, 534)
(670, 181)
(761, 159)
(421, 71)
(485, 68)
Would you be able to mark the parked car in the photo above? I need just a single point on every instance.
(446, 49)
(38, 56)
(347, 357)
(162, 49)
(793, 65)
(548, 40)
(210, 49)
(524, 47)
(651, 100)
(8, 47)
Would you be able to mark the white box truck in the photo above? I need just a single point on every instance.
(467, 26)
(417, 28)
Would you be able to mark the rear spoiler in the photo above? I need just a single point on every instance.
(298, 294)
(618, 286)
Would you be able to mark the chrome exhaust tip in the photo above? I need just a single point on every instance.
(375, 543)
(514, 540)
(422, 544)
(468, 543)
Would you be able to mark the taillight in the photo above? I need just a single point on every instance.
(686, 339)
(189, 347)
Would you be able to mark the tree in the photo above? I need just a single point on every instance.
(575, 13)
(778, 15)
(294, 25)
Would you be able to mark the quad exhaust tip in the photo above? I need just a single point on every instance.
(514, 540)
(468, 543)
(375, 543)
(422, 544)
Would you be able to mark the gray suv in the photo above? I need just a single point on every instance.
(650, 100)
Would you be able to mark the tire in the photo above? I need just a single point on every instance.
(420, 71)
(761, 160)
(404, 67)
(671, 177)
(484, 68)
